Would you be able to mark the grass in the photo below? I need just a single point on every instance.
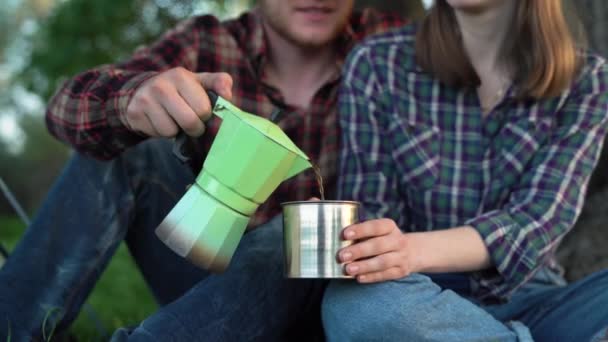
(121, 297)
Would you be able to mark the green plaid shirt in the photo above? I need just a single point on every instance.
(421, 153)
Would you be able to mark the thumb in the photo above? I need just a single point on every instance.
(220, 82)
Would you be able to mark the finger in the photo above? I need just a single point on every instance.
(368, 248)
(161, 121)
(368, 229)
(141, 123)
(388, 274)
(378, 263)
(182, 114)
(195, 96)
(314, 199)
(220, 82)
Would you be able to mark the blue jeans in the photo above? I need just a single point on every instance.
(439, 308)
(93, 207)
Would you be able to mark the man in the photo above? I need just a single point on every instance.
(283, 53)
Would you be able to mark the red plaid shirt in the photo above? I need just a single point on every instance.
(86, 112)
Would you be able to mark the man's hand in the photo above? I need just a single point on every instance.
(175, 99)
(380, 251)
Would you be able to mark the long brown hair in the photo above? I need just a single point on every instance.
(540, 49)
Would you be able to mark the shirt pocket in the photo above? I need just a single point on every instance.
(519, 142)
(415, 152)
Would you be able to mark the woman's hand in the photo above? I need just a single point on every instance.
(380, 251)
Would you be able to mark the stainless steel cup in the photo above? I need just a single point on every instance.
(312, 237)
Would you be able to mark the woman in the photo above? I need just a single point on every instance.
(469, 140)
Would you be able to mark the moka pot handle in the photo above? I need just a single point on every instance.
(181, 138)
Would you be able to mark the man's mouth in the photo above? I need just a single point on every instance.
(315, 12)
(323, 9)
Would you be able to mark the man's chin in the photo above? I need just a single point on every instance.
(313, 41)
(313, 44)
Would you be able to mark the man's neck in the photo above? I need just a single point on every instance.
(298, 72)
(483, 34)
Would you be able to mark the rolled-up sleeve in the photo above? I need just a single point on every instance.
(548, 198)
(88, 111)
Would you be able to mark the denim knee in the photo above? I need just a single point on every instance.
(262, 248)
(413, 308)
(367, 312)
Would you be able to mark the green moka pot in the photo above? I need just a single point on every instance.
(249, 158)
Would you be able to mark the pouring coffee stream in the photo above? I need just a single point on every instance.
(319, 179)
(207, 223)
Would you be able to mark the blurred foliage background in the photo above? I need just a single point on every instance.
(42, 42)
